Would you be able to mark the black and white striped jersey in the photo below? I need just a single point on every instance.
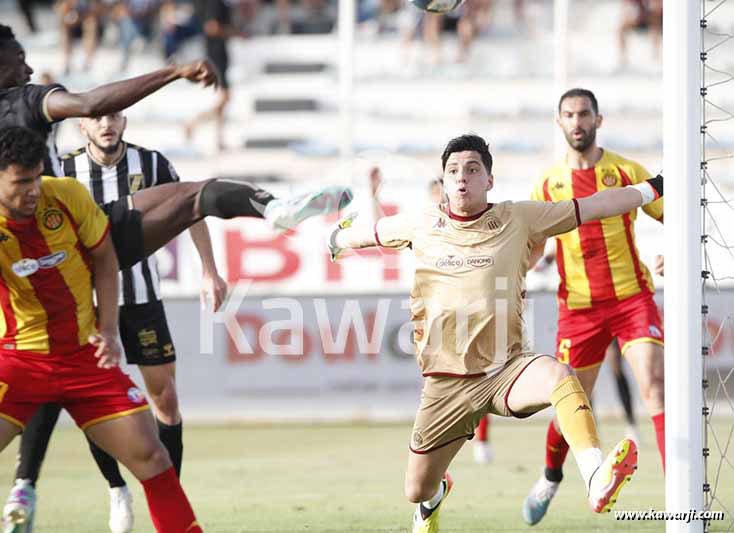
(137, 168)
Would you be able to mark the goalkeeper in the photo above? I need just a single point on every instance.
(466, 306)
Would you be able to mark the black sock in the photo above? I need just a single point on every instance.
(554, 474)
(172, 439)
(623, 389)
(34, 442)
(107, 465)
(229, 199)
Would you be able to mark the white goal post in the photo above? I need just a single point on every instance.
(682, 156)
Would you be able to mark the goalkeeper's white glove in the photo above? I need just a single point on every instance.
(334, 250)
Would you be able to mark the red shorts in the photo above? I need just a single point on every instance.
(90, 394)
(585, 334)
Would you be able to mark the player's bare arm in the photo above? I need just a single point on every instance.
(613, 202)
(213, 287)
(104, 270)
(119, 95)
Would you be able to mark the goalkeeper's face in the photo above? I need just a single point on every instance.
(579, 123)
(466, 182)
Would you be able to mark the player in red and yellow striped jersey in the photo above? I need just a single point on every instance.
(54, 345)
(605, 290)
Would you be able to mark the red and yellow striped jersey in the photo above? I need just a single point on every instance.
(598, 261)
(45, 272)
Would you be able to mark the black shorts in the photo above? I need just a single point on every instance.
(126, 229)
(145, 336)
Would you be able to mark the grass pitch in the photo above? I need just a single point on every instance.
(344, 478)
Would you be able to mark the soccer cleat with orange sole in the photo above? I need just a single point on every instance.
(616, 470)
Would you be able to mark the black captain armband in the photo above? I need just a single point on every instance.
(650, 190)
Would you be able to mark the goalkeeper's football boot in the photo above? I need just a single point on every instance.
(537, 502)
(19, 510)
(616, 470)
(426, 520)
(286, 213)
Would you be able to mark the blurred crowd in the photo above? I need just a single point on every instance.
(170, 23)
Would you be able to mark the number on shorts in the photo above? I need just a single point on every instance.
(3, 390)
(563, 349)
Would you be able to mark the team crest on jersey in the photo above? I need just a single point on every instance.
(135, 395)
(3, 237)
(135, 182)
(147, 337)
(168, 350)
(609, 180)
(417, 439)
(493, 223)
(559, 185)
(52, 219)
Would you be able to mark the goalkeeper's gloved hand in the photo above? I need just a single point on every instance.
(334, 250)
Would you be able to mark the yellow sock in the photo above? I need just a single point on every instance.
(574, 415)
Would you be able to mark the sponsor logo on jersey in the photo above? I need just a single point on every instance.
(480, 261)
(168, 350)
(655, 331)
(450, 262)
(50, 261)
(493, 223)
(3, 237)
(135, 395)
(440, 223)
(147, 337)
(25, 267)
(52, 219)
(609, 180)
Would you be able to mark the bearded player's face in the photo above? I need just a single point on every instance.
(104, 132)
(579, 122)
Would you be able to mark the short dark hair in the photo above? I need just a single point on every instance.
(6, 36)
(21, 146)
(6, 33)
(468, 142)
(578, 92)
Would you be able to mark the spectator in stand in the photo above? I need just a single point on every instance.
(642, 15)
(178, 24)
(26, 7)
(136, 19)
(216, 19)
(308, 17)
(80, 19)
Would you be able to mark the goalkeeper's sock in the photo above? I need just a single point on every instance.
(556, 449)
(172, 439)
(658, 422)
(577, 424)
(170, 510)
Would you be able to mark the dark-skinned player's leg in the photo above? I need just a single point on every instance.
(165, 211)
